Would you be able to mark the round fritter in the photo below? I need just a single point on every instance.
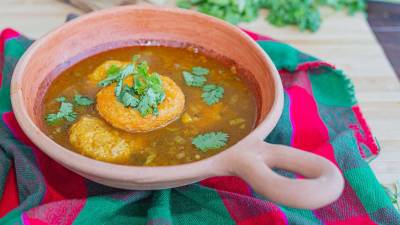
(100, 72)
(92, 137)
(130, 120)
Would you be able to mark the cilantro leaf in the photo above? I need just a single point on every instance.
(82, 100)
(193, 80)
(196, 77)
(52, 118)
(129, 69)
(144, 106)
(200, 71)
(212, 93)
(113, 74)
(65, 112)
(129, 100)
(118, 88)
(113, 70)
(212, 140)
(109, 80)
(60, 99)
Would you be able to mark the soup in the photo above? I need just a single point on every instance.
(149, 106)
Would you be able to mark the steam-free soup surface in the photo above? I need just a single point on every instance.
(233, 114)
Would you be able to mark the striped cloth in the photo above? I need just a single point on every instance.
(320, 115)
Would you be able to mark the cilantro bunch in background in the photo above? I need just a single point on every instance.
(301, 13)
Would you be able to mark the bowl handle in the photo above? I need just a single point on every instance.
(323, 182)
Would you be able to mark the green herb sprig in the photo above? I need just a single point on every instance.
(211, 93)
(301, 13)
(394, 195)
(144, 95)
(82, 100)
(196, 78)
(65, 112)
(212, 140)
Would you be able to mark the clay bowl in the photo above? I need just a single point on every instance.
(251, 158)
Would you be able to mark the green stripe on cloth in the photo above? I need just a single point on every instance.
(300, 216)
(115, 209)
(332, 88)
(197, 205)
(282, 133)
(284, 56)
(368, 189)
(13, 50)
(160, 209)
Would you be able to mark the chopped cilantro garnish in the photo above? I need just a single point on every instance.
(212, 140)
(200, 71)
(82, 100)
(113, 70)
(212, 93)
(129, 100)
(145, 94)
(196, 77)
(60, 99)
(66, 111)
(113, 74)
(193, 80)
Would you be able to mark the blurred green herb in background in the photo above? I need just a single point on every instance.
(302, 13)
(394, 194)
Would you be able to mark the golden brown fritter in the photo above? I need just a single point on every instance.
(92, 137)
(100, 72)
(130, 120)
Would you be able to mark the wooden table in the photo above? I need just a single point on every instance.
(344, 41)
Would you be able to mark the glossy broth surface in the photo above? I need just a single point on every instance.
(234, 114)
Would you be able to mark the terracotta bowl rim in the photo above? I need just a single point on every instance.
(86, 165)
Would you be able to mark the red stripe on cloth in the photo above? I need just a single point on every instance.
(311, 134)
(241, 205)
(28, 221)
(12, 124)
(257, 37)
(4, 36)
(314, 64)
(367, 138)
(361, 220)
(346, 208)
(230, 184)
(10, 199)
(273, 218)
(61, 212)
(31, 221)
(55, 175)
(309, 131)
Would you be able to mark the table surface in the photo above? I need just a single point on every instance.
(344, 41)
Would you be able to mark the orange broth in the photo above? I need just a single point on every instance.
(234, 114)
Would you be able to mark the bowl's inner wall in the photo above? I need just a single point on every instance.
(90, 35)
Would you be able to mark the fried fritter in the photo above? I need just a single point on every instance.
(130, 120)
(92, 137)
